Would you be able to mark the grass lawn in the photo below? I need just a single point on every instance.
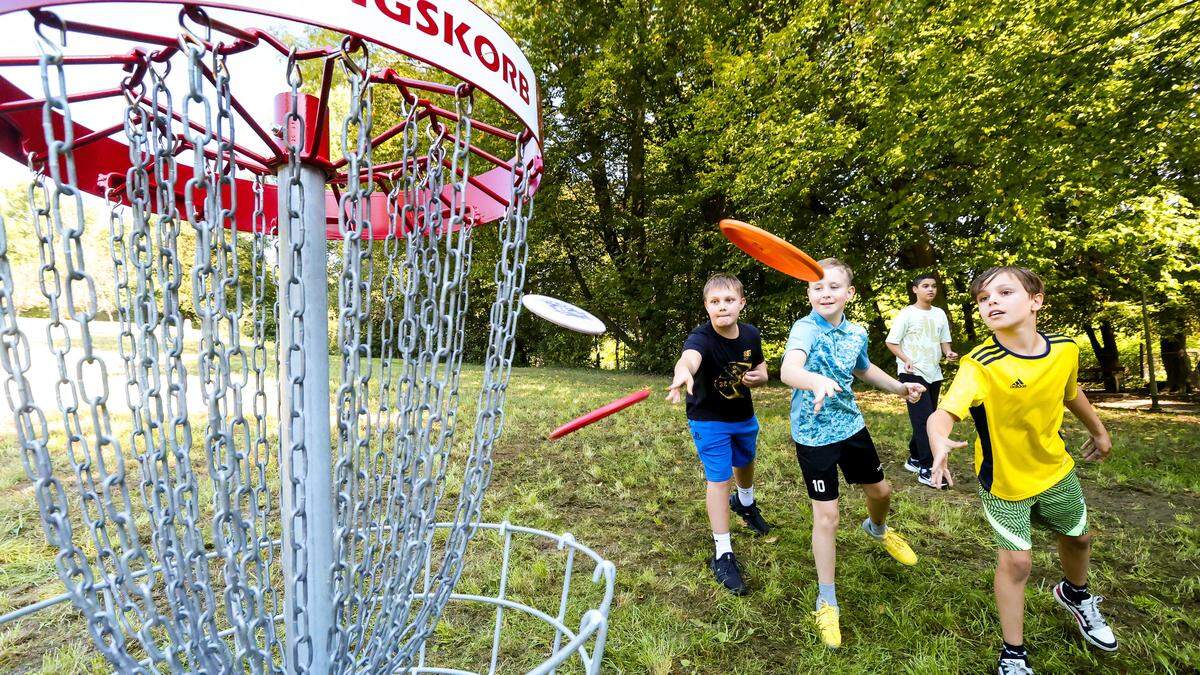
(631, 488)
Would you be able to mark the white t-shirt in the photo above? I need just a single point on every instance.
(920, 333)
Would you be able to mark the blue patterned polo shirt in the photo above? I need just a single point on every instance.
(835, 352)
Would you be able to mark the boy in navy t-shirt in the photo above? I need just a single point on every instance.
(721, 361)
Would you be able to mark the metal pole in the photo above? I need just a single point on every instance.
(312, 425)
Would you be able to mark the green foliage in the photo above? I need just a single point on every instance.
(897, 136)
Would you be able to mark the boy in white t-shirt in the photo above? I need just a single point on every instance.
(920, 339)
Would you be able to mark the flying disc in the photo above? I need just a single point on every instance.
(563, 314)
(771, 250)
(600, 413)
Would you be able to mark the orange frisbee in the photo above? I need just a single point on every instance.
(771, 250)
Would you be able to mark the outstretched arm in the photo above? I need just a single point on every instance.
(1099, 445)
(796, 376)
(685, 368)
(874, 376)
(938, 426)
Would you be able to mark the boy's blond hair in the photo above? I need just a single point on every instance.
(1028, 279)
(723, 280)
(830, 263)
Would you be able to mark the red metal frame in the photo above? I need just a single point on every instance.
(101, 161)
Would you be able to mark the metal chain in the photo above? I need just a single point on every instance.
(293, 374)
(439, 251)
(202, 207)
(165, 387)
(355, 337)
(201, 595)
(96, 458)
(422, 405)
(132, 253)
(233, 476)
(509, 277)
(260, 558)
(381, 544)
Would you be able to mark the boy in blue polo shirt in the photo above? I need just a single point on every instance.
(824, 354)
(722, 359)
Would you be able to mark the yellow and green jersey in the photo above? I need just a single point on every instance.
(1017, 404)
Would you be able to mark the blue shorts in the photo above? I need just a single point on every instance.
(724, 445)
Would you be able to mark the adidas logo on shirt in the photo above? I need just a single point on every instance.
(1017, 385)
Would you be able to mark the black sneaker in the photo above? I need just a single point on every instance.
(912, 465)
(1089, 619)
(750, 514)
(725, 569)
(925, 477)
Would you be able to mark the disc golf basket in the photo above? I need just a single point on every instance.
(227, 496)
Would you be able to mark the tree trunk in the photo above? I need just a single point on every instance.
(968, 310)
(1153, 381)
(942, 302)
(968, 314)
(876, 328)
(1175, 361)
(1105, 349)
(918, 254)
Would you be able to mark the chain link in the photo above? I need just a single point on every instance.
(294, 373)
(509, 277)
(131, 250)
(188, 579)
(96, 458)
(354, 337)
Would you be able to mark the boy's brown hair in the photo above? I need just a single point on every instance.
(828, 263)
(723, 280)
(1029, 280)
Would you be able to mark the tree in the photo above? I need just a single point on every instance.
(621, 222)
(959, 136)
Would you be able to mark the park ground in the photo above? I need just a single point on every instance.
(630, 487)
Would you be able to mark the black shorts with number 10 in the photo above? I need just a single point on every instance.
(856, 455)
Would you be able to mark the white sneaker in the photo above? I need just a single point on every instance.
(1087, 615)
(912, 465)
(1014, 667)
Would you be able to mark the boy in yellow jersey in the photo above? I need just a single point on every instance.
(1015, 386)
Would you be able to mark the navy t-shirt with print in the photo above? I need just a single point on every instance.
(717, 391)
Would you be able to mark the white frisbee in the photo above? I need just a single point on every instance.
(564, 314)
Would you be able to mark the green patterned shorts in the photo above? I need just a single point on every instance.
(1060, 507)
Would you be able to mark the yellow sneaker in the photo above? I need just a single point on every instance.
(893, 543)
(827, 624)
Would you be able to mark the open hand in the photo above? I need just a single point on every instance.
(912, 391)
(824, 387)
(1097, 448)
(681, 381)
(941, 447)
